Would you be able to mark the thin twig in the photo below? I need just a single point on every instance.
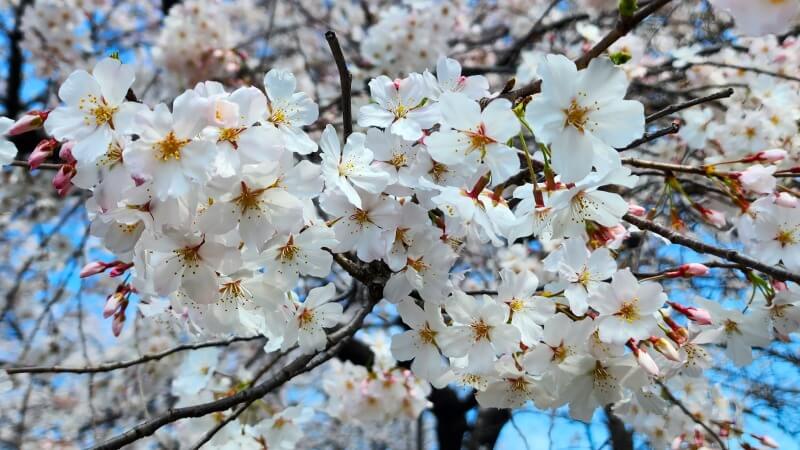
(300, 365)
(701, 247)
(681, 106)
(686, 411)
(648, 137)
(108, 367)
(43, 166)
(345, 79)
(623, 27)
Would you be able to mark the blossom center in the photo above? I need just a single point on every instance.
(584, 278)
(480, 330)
(288, 251)
(516, 305)
(306, 318)
(600, 372)
(170, 147)
(478, 140)
(731, 327)
(361, 217)
(416, 264)
(629, 311)
(248, 199)
(188, 255)
(112, 156)
(427, 335)
(278, 116)
(560, 353)
(786, 237)
(103, 114)
(399, 160)
(576, 116)
(438, 171)
(230, 135)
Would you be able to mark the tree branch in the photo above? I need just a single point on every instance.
(345, 79)
(108, 367)
(701, 247)
(300, 365)
(681, 106)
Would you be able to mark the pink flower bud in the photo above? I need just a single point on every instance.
(636, 210)
(785, 200)
(712, 216)
(117, 323)
(772, 155)
(676, 443)
(119, 269)
(63, 179)
(766, 440)
(41, 152)
(779, 286)
(112, 304)
(65, 153)
(689, 270)
(29, 122)
(93, 268)
(697, 315)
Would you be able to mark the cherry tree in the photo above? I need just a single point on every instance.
(260, 224)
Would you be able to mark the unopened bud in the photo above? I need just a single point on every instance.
(117, 323)
(112, 304)
(712, 216)
(636, 210)
(697, 315)
(689, 270)
(785, 200)
(119, 269)
(29, 122)
(41, 152)
(677, 442)
(771, 155)
(666, 348)
(93, 268)
(65, 153)
(63, 179)
(766, 440)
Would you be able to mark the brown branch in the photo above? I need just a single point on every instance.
(681, 106)
(300, 365)
(43, 166)
(210, 434)
(108, 367)
(511, 56)
(649, 137)
(747, 69)
(345, 79)
(701, 247)
(672, 399)
(623, 27)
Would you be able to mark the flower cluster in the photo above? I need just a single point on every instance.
(237, 211)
